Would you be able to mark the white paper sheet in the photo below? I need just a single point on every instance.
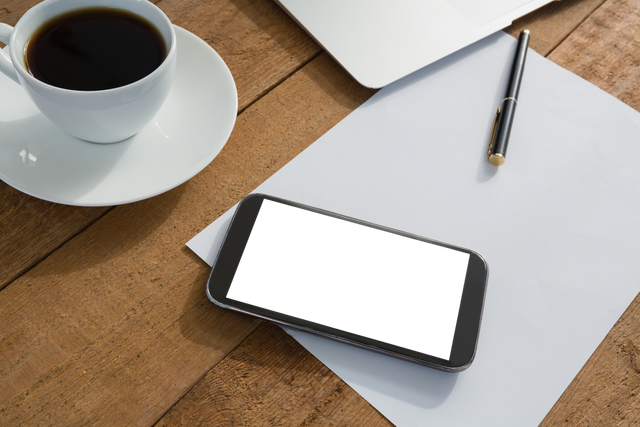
(558, 225)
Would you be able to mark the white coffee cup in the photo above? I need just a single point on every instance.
(101, 116)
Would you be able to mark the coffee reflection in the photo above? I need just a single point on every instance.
(94, 49)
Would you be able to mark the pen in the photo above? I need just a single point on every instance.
(504, 116)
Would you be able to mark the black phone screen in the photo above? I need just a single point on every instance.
(351, 277)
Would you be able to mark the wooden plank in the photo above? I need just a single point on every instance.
(114, 335)
(552, 23)
(12, 10)
(30, 229)
(604, 50)
(259, 42)
(119, 334)
(271, 380)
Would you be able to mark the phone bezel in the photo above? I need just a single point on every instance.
(469, 316)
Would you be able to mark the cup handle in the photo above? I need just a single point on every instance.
(6, 66)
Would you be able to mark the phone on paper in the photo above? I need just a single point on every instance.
(389, 291)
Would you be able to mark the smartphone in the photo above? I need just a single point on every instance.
(378, 288)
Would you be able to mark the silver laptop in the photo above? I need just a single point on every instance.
(381, 41)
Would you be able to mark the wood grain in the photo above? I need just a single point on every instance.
(31, 229)
(12, 10)
(258, 41)
(604, 50)
(270, 380)
(552, 23)
(114, 336)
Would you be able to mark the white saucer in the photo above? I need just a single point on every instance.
(191, 128)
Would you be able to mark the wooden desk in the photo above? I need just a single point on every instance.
(103, 316)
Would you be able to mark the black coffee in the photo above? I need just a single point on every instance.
(95, 49)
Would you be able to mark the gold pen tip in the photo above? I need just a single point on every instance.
(496, 159)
